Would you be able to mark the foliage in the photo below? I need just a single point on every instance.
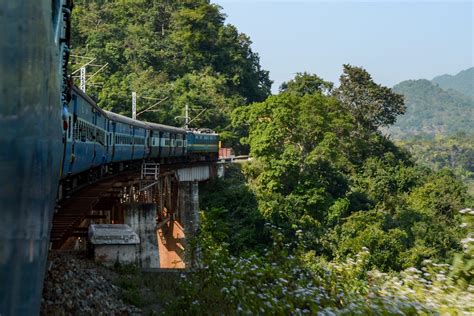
(463, 266)
(371, 104)
(231, 215)
(454, 152)
(462, 82)
(281, 283)
(305, 83)
(344, 191)
(432, 111)
(180, 51)
(324, 186)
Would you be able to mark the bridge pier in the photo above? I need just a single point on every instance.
(141, 217)
(161, 205)
(188, 215)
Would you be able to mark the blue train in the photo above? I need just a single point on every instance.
(51, 133)
(95, 138)
(34, 53)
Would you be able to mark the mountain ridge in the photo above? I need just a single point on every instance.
(462, 82)
(435, 107)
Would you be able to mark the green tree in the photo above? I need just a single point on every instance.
(372, 105)
(305, 83)
(178, 50)
(297, 142)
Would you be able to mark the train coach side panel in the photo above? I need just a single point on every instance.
(100, 139)
(139, 143)
(123, 142)
(80, 147)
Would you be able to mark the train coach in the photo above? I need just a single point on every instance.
(95, 138)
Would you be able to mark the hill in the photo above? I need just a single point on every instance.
(432, 110)
(463, 82)
(180, 52)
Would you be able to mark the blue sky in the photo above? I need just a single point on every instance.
(393, 40)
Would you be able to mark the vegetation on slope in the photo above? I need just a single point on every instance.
(455, 153)
(432, 110)
(330, 216)
(462, 82)
(178, 50)
(351, 223)
(327, 174)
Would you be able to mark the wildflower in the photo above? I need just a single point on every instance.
(465, 210)
(467, 240)
(412, 270)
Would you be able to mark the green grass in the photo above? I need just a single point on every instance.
(149, 291)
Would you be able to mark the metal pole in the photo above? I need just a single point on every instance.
(134, 105)
(82, 84)
(186, 124)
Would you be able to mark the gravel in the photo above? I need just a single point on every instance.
(75, 285)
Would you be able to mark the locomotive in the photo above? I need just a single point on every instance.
(96, 139)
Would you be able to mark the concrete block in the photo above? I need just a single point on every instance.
(114, 243)
(113, 234)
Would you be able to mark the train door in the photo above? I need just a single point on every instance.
(107, 139)
(114, 137)
(179, 144)
(173, 144)
(160, 139)
(147, 144)
(185, 144)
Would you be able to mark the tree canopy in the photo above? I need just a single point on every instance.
(179, 50)
(345, 191)
(432, 111)
(371, 104)
(326, 197)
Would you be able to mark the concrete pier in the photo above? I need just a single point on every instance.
(142, 219)
(113, 243)
(188, 215)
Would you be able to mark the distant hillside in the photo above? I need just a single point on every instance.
(462, 82)
(432, 110)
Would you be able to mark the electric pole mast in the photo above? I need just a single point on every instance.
(186, 124)
(82, 84)
(134, 105)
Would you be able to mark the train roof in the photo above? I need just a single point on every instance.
(148, 125)
(88, 99)
(166, 128)
(124, 119)
(201, 131)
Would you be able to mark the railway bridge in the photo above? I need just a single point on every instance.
(52, 133)
(160, 203)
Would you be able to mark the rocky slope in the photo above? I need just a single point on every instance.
(75, 285)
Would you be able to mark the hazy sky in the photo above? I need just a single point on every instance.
(393, 40)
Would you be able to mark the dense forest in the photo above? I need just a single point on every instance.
(177, 51)
(463, 82)
(433, 110)
(330, 215)
(445, 152)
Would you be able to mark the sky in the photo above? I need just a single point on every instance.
(392, 40)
